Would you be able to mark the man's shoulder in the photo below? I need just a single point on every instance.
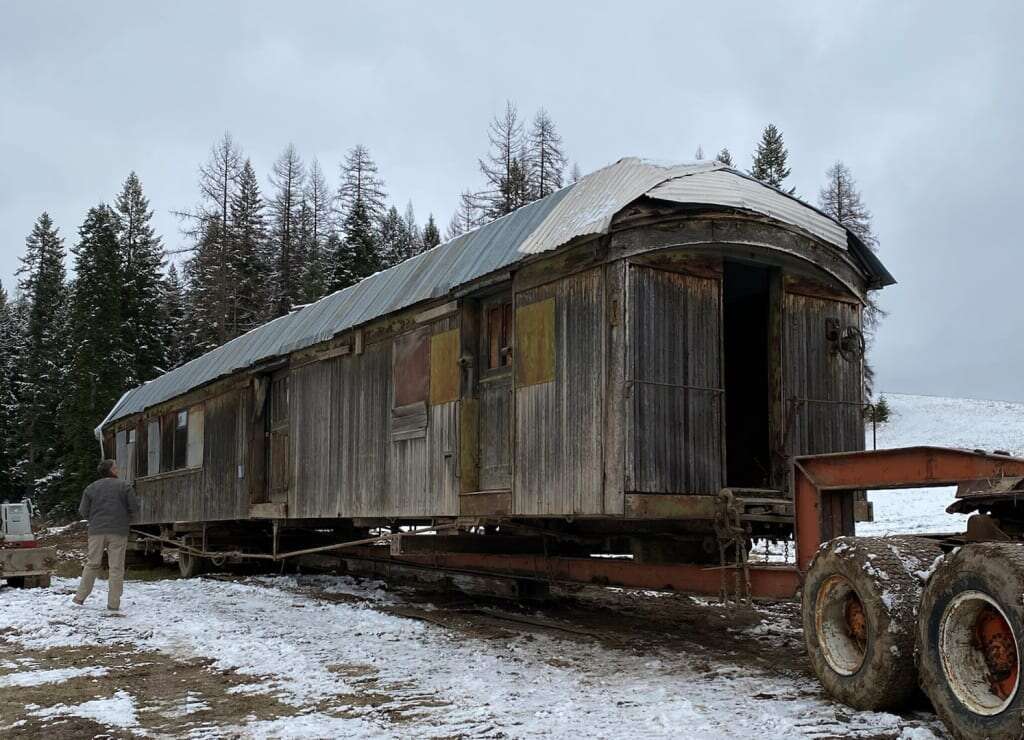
(109, 484)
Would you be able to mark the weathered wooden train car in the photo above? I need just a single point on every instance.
(602, 362)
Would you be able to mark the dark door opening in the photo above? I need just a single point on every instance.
(746, 317)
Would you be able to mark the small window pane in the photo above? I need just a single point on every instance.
(411, 368)
(195, 437)
(153, 458)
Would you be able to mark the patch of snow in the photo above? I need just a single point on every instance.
(117, 711)
(57, 675)
(947, 422)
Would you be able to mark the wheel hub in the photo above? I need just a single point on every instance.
(841, 625)
(979, 652)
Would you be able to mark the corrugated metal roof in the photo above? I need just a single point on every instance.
(583, 208)
(725, 187)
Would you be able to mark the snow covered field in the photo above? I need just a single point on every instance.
(948, 422)
(347, 669)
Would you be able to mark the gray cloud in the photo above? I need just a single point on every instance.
(924, 103)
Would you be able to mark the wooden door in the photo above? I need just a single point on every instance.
(822, 375)
(495, 392)
(278, 458)
(674, 383)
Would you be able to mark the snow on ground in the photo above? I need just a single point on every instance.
(947, 422)
(320, 656)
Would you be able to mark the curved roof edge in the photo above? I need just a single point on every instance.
(583, 208)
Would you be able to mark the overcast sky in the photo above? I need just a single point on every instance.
(925, 104)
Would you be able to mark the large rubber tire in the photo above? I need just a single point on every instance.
(37, 581)
(954, 674)
(883, 576)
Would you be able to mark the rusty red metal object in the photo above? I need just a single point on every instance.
(820, 482)
(994, 638)
(823, 487)
(766, 582)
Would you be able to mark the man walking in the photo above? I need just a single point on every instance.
(109, 504)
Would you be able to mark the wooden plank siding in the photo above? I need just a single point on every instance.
(823, 390)
(558, 424)
(212, 492)
(674, 436)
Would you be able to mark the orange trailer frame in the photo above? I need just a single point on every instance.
(823, 487)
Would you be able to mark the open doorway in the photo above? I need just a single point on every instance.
(746, 316)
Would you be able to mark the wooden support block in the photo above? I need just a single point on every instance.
(669, 506)
(268, 511)
(486, 503)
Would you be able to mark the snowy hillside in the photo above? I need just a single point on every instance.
(948, 422)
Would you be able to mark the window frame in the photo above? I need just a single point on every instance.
(497, 336)
(181, 437)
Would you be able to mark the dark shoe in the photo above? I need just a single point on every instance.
(76, 602)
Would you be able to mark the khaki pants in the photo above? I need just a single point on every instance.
(115, 545)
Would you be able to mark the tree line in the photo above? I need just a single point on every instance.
(254, 250)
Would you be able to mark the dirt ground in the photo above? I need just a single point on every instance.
(176, 698)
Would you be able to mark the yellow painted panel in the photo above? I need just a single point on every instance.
(444, 367)
(535, 343)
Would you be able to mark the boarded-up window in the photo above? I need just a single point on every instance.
(167, 442)
(411, 368)
(535, 343)
(153, 447)
(196, 429)
(122, 453)
(499, 336)
(444, 367)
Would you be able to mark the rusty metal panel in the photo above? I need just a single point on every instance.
(823, 392)
(535, 343)
(445, 373)
(411, 367)
(675, 433)
(559, 425)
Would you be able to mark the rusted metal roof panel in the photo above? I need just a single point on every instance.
(581, 209)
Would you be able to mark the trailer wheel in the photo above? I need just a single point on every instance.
(970, 635)
(189, 564)
(859, 610)
(42, 581)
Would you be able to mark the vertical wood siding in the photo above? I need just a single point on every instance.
(212, 492)
(823, 392)
(558, 424)
(674, 439)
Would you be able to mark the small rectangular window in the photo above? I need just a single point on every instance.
(167, 443)
(499, 336)
(141, 450)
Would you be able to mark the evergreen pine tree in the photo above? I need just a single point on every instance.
(209, 273)
(249, 292)
(339, 262)
(725, 157)
(770, 159)
(142, 257)
(546, 157)
(431, 235)
(841, 200)
(179, 350)
(98, 365)
(412, 236)
(209, 299)
(360, 184)
(10, 439)
(317, 227)
(41, 383)
(467, 216)
(699, 154)
(361, 247)
(287, 178)
(574, 173)
(505, 168)
(390, 238)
